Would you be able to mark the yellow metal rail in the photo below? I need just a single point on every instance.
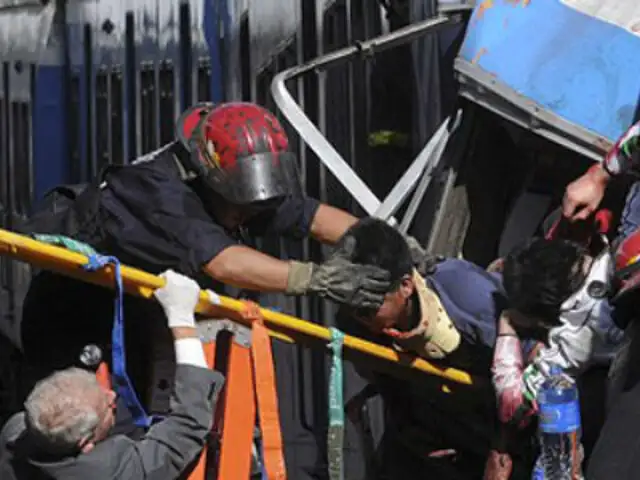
(143, 284)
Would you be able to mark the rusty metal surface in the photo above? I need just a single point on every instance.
(566, 69)
(25, 30)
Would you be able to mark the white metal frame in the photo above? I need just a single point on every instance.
(419, 173)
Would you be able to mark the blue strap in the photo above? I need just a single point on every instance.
(335, 438)
(123, 385)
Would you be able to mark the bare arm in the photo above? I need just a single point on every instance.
(330, 223)
(244, 267)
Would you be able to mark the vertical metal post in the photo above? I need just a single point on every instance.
(131, 85)
(89, 165)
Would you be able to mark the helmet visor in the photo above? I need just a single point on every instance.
(258, 178)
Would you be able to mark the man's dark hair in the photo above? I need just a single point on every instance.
(540, 275)
(379, 244)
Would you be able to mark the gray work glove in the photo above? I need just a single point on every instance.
(347, 283)
(422, 261)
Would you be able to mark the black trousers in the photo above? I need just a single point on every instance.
(616, 454)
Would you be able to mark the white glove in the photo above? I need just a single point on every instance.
(178, 298)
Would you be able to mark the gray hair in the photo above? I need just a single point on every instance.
(61, 410)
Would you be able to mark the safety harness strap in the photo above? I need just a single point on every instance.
(335, 440)
(266, 396)
(199, 472)
(123, 384)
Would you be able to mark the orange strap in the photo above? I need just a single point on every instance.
(266, 396)
(199, 472)
(103, 375)
(238, 418)
(250, 379)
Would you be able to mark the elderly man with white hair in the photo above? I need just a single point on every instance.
(63, 432)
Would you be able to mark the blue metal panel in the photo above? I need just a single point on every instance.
(50, 147)
(215, 13)
(579, 67)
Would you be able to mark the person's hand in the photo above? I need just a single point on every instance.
(498, 467)
(422, 261)
(583, 195)
(505, 324)
(347, 283)
(496, 266)
(178, 298)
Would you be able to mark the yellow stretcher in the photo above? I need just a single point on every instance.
(281, 326)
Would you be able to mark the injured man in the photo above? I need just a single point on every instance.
(558, 295)
(437, 313)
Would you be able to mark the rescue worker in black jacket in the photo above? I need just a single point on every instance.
(188, 207)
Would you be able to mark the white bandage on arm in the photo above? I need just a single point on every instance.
(189, 352)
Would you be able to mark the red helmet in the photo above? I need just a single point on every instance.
(628, 265)
(241, 151)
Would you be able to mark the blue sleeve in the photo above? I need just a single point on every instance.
(472, 297)
(292, 218)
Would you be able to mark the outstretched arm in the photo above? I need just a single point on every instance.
(244, 267)
(171, 445)
(337, 278)
(330, 223)
(584, 195)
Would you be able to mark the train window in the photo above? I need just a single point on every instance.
(245, 56)
(287, 58)
(4, 144)
(167, 102)
(186, 65)
(148, 108)
(22, 168)
(117, 144)
(263, 82)
(75, 144)
(102, 117)
(89, 122)
(4, 153)
(132, 85)
(204, 81)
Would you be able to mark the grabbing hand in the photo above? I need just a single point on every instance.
(422, 261)
(583, 195)
(178, 298)
(347, 283)
(498, 467)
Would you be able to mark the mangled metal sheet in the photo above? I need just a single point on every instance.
(25, 27)
(272, 25)
(7, 4)
(566, 69)
(620, 13)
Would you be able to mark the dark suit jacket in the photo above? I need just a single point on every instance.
(163, 453)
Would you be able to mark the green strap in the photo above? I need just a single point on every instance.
(68, 243)
(335, 438)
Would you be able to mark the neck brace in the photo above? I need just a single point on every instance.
(436, 335)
